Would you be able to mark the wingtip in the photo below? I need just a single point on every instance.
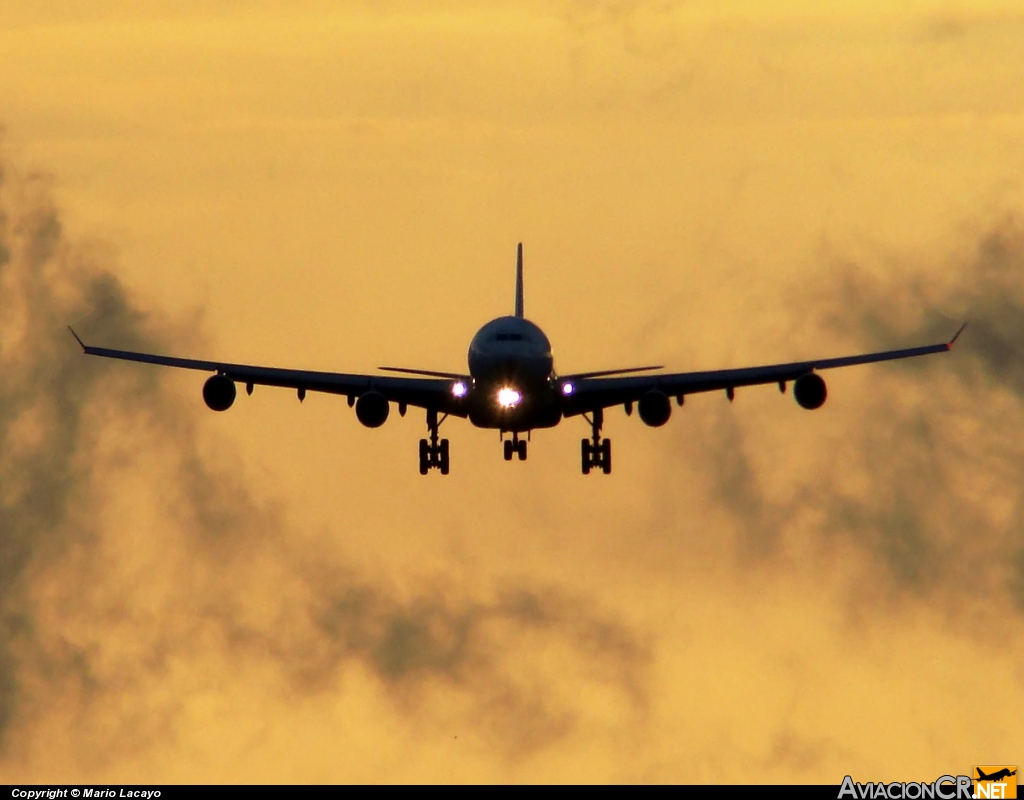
(77, 338)
(951, 342)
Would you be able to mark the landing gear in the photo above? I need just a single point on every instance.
(515, 446)
(601, 457)
(596, 452)
(434, 453)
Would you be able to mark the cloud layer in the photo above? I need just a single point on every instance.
(125, 553)
(142, 584)
(756, 593)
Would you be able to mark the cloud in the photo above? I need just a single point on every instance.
(954, 503)
(918, 481)
(163, 618)
(135, 572)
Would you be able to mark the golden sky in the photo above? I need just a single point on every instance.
(275, 594)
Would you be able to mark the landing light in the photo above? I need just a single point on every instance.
(568, 388)
(459, 389)
(509, 398)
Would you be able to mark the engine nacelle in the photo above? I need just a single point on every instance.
(372, 409)
(654, 408)
(219, 392)
(809, 391)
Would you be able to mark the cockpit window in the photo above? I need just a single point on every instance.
(508, 337)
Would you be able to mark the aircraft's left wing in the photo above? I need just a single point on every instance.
(429, 393)
(598, 393)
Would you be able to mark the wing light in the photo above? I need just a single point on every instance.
(509, 397)
(568, 388)
(459, 389)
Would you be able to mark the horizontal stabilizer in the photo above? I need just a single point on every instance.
(428, 372)
(579, 376)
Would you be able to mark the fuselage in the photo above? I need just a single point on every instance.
(514, 386)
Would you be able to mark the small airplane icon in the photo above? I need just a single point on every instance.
(511, 385)
(995, 776)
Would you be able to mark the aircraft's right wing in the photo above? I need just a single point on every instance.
(429, 393)
(598, 393)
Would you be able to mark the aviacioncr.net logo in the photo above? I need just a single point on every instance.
(945, 788)
(995, 782)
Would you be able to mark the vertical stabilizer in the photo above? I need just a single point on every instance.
(519, 281)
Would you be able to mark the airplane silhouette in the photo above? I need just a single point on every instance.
(512, 386)
(995, 776)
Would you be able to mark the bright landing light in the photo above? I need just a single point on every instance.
(459, 389)
(568, 388)
(508, 398)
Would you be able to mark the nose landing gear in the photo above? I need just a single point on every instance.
(434, 453)
(515, 446)
(596, 452)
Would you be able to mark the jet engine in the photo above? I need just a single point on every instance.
(654, 408)
(372, 409)
(809, 391)
(219, 392)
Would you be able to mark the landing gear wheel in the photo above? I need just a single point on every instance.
(585, 456)
(424, 456)
(508, 449)
(521, 449)
(434, 452)
(595, 451)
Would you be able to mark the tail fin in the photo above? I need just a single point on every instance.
(519, 281)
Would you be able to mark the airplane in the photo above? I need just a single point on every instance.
(511, 385)
(995, 776)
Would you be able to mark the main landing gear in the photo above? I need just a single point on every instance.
(515, 446)
(596, 452)
(434, 453)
